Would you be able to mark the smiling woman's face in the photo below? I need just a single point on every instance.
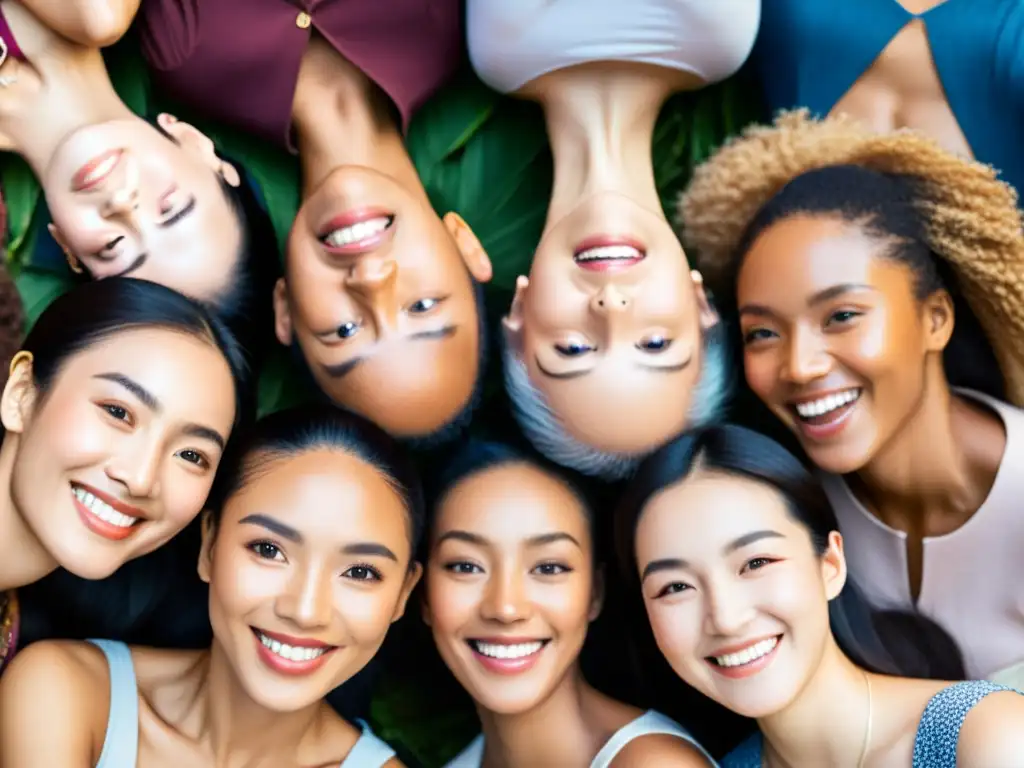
(308, 567)
(120, 453)
(736, 595)
(510, 586)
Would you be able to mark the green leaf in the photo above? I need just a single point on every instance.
(38, 289)
(21, 193)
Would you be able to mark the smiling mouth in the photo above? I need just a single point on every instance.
(506, 657)
(609, 257)
(747, 661)
(96, 171)
(101, 517)
(359, 234)
(827, 412)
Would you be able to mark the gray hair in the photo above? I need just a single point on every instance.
(545, 430)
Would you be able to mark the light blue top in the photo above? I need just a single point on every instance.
(937, 734)
(650, 722)
(121, 744)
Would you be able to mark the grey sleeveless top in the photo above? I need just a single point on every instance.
(938, 732)
(121, 744)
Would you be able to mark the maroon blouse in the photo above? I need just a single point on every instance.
(8, 37)
(237, 61)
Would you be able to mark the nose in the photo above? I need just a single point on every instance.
(138, 470)
(727, 611)
(609, 301)
(307, 601)
(372, 282)
(124, 197)
(505, 600)
(807, 359)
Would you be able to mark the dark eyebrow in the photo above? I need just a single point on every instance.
(466, 536)
(369, 548)
(550, 538)
(672, 563)
(340, 370)
(274, 526)
(139, 261)
(142, 394)
(826, 294)
(647, 366)
(187, 210)
(750, 538)
(149, 400)
(533, 541)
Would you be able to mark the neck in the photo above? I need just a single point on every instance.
(73, 92)
(552, 733)
(339, 129)
(241, 732)
(825, 724)
(925, 469)
(30, 561)
(600, 124)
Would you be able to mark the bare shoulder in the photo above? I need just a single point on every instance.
(660, 749)
(993, 734)
(54, 682)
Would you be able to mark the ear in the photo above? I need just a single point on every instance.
(19, 397)
(512, 323)
(940, 319)
(197, 143)
(833, 566)
(206, 550)
(411, 580)
(473, 254)
(57, 235)
(282, 313)
(708, 314)
(597, 595)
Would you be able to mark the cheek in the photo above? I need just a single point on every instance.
(367, 612)
(238, 585)
(566, 605)
(68, 435)
(451, 604)
(184, 492)
(676, 631)
(761, 371)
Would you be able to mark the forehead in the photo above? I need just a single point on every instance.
(329, 496)
(707, 510)
(510, 503)
(811, 250)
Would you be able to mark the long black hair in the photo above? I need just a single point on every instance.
(886, 642)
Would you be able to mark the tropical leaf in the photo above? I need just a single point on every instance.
(21, 194)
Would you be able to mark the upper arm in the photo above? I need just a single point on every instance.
(993, 733)
(660, 750)
(47, 709)
(91, 23)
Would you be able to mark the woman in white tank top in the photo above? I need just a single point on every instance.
(303, 589)
(511, 589)
(608, 352)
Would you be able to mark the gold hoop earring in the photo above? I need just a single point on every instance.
(73, 263)
(23, 356)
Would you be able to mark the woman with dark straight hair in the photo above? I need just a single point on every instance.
(743, 576)
(308, 548)
(115, 415)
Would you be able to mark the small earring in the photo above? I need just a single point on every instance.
(23, 356)
(73, 263)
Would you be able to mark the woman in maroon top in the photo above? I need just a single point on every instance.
(379, 292)
(126, 197)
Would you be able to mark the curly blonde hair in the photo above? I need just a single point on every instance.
(970, 217)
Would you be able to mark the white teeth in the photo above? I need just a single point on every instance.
(358, 232)
(609, 253)
(103, 168)
(826, 404)
(103, 511)
(504, 651)
(747, 655)
(291, 652)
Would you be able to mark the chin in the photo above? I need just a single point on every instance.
(88, 565)
(509, 703)
(837, 460)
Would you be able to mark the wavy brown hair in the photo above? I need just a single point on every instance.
(970, 217)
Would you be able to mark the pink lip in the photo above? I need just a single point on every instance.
(351, 218)
(746, 670)
(102, 527)
(508, 666)
(287, 666)
(611, 265)
(81, 182)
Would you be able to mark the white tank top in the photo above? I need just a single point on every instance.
(513, 42)
(649, 723)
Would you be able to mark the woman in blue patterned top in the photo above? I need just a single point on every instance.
(745, 585)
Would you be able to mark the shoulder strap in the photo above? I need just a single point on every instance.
(939, 729)
(121, 744)
(647, 724)
(368, 752)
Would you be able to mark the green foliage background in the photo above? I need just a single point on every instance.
(480, 154)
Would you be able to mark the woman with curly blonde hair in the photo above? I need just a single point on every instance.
(841, 252)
